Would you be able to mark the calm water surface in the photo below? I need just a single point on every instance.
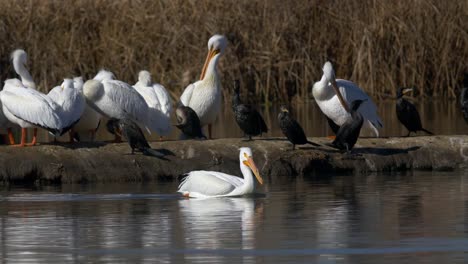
(406, 218)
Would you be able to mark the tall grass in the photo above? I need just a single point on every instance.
(275, 46)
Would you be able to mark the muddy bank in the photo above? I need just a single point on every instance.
(106, 162)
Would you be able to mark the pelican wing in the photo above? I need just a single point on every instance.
(209, 183)
(368, 109)
(32, 106)
(129, 99)
(187, 94)
(163, 98)
(54, 94)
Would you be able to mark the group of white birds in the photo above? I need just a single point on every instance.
(79, 106)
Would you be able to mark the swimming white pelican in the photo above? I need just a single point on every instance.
(27, 107)
(72, 104)
(90, 119)
(115, 99)
(158, 101)
(335, 96)
(217, 184)
(204, 96)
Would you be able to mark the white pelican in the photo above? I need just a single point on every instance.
(90, 119)
(115, 99)
(72, 104)
(203, 184)
(27, 107)
(20, 58)
(158, 101)
(335, 96)
(204, 96)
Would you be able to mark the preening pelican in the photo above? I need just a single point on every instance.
(202, 184)
(334, 98)
(71, 102)
(27, 107)
(20, 58)
(90, 119)
(204, 96)
(158, 101)
(115, 99)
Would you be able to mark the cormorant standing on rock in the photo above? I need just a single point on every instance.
(464, 98)
(348, 133)
(248, 118)
(407, 113)
(133, 134)
(291, 129)
(188, 122)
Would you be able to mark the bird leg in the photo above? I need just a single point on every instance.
(70, 135)
(294, 146)
(10, 136)
(23, 138)
(209, 131)
(117, 138)
(409, 132)
(34, 139)
(160, 138)
(250, 138)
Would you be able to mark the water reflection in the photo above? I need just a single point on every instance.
(389, 218)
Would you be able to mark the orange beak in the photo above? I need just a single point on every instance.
(340, 97)
(210, 55)
(251, 164)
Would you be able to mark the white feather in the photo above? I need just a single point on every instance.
(28, 107)
(158, 101)
(330, 105)
(90, 119)
(202, 184)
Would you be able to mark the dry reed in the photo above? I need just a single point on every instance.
(276, 47)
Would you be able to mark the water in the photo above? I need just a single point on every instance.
(393, 218)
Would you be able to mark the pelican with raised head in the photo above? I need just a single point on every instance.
(115, 99)
(334, 97)
(204, 96)
(203, 184)
(158, 101)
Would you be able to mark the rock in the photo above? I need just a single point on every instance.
(100, 162)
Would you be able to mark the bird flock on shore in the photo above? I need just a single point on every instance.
(78, 107)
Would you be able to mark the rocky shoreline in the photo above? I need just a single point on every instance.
(109, 162)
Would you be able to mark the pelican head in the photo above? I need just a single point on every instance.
(93, 90)
(216, 45)
(328, 71)
(245, 156)
(67, 84)
(78, 83)
(144, 77)
(103, 75)
(20, 58)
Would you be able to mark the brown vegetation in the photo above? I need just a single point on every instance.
(274, 45)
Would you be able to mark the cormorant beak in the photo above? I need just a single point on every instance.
(407, 90)
(340, 97)
(209, 56)
(251, 164)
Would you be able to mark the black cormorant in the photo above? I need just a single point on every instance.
(188, 122)
(348, 133)
(133, 134)
(291, 129)
(248, 118)
(464, 98)
(407, 113)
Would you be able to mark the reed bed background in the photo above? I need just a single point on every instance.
(276, 48)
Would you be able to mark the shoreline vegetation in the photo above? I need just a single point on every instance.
(276, 48)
